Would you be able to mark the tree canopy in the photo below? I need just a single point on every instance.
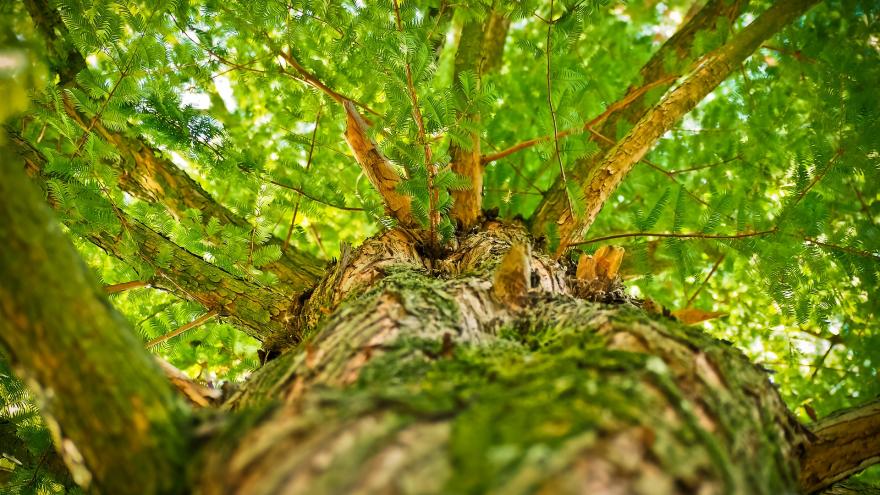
(198, 151)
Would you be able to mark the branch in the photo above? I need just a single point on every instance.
(843, 444)
(378, 169)
(258, 310)
(143, 172)
(124, 286)
(712, 70)
(196, 394)
(128, 429)
(307, 77)
(480, 49)
(667, 64)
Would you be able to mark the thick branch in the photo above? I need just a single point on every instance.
(480, 48)
(712, 70)
(657, 73)
(259, 310)
(145, 173)
(844, 444)
(379, 170)
(114, 418)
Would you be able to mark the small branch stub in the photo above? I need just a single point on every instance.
(596, 275)
(512, 279)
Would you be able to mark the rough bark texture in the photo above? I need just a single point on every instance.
(415, 377)
(114, 418)
(842, 444)
(710, 72)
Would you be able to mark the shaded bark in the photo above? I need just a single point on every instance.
(115, 420)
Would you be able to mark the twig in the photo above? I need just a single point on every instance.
(702, 167)
(553, 116)
(618, 105)
(174, 333)
(306, 195)
(705, 281)
(308, 166)
(433, 194)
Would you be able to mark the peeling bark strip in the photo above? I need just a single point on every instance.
(656, 73)
(113, 417)
(379, 170)
(843, 444)
(417, 383)
(480, 49)
(710, 72)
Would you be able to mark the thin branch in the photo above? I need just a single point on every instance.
(174, 333)
(308, 166)
(307, 77)
(306, 195)
(433, 194)
(818, 177)
(703, 167)
(135, 284)
(693, 235)
(596, 121)
(214, 54)
(553, 115)
(845, 249)
(705, 281)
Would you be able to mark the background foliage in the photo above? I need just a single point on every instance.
(789, 144)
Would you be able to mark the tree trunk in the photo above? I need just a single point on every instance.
(422, 377)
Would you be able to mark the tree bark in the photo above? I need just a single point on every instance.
(115, 420)
(416, 377)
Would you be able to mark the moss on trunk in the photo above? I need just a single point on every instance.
(421, 381)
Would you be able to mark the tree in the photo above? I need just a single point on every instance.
(490, 160)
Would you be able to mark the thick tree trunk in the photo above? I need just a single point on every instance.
(422, 377)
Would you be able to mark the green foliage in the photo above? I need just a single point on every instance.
(789, 144)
